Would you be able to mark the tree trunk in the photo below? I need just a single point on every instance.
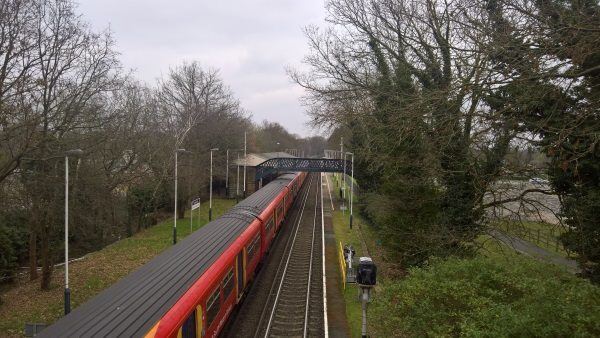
(46, 259)
(181, 209)
(32, 254)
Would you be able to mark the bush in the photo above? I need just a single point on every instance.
(13, 244)
(519, 297)
(8, 260)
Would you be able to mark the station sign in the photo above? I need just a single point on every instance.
(196, 203)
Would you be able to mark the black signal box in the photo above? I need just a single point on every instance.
(366, 272)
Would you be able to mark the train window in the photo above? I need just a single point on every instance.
(213, 305)
(188, 330)
(253, 248)
(269, 225)
(228, 284)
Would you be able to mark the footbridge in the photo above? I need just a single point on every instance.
(274, 165)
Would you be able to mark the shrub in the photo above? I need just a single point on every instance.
(485, 297)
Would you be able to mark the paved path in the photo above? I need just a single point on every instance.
(533, 250)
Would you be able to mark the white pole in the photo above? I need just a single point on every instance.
(210, 192)
(341, 158)
(67, 291)
(66, 222)
(352, 185)
(341, 155)
(245, 163)
(343, 181)
(364, 300)
(191, 216)
(351, 190)
(237, 182)
(175, 213)
(227, 172)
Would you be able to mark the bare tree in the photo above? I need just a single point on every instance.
(64, 67)
(419, 85)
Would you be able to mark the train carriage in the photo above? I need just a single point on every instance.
(190, 289)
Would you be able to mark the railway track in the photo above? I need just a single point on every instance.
(291, 277)
(294, 304)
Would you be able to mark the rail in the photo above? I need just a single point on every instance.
(293, 302)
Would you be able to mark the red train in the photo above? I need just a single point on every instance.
(190, 289)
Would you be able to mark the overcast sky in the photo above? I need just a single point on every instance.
(250, 42)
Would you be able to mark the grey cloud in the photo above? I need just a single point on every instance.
(249, 41)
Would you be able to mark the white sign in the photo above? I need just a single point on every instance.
(196, 204)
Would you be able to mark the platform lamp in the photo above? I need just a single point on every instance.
(178, 151)
(211, 188)
(237, 182)
(69, 153)
(245, 162)
(351, 186)
(341, 158)
(227, 174)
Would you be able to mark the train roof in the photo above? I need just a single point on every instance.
(134, 304)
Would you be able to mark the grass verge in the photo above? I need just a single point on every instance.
(26, 303)
(496, 293)
(364, 241)
(544, 235)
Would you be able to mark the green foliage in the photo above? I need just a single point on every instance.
(568, 123)
(142, 200)
(13, 244)
(583, 235)
(423, 195)
(408, 228)
(488, 297)
(7, 253)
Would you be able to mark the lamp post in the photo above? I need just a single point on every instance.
(180, 150)
(237, 182)
(72, 153)
(227, 172)
(344, 178)
(245, 162)
(211, 179)
(351, 186)
(341, 158)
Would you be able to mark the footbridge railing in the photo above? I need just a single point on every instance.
(302, 164)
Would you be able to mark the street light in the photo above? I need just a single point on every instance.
(351, 187)
(341, 158)
(180, 150)
(210, 192)
(344, 185)
(227, 173)
(245, 162)
(237, 182)
(72, 153)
